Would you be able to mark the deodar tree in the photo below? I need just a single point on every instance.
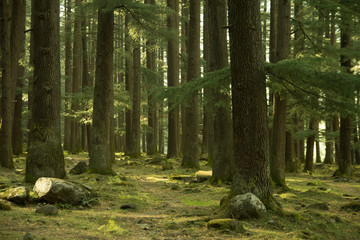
(251, 146)
(45, 155)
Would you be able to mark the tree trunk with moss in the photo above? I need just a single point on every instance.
(45, 156)
(310, 141)
(251, 143)
(100, 152)
(191, 138)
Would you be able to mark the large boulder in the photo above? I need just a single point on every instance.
(247, 206)
(17, 195)
(55, 190)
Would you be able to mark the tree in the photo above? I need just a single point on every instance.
(75, 140)
(45, 155)
(173, 78)
(68, 74)
(136, 101)
(277, 152)
(6, 97)
(223, 145)
(128, 86)
(100, 152)
(191, 141)
(151, 135)
(251, 161)
(17, 39)
(345, 167)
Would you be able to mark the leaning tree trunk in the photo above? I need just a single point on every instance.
(251, 143)
(45, 156)
(100, 152)
(191, 140)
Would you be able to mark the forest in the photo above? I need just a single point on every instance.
(179, 119)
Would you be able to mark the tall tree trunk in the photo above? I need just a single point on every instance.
(345, 167)
(86, 82)
(128, 87)
(75, 139)
(100, 152)
(208, 113)
(6, 97)
(68, 73)
(161, 104)
(191, 144)
(136, 101)
(17, 40)
(223, 136)
(184, 50)
(329, 152)
(251, 145)
(45, 157)
(309, 160)
(173, 79)
(277, 153)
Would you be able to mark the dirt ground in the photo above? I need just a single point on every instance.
(165, 208)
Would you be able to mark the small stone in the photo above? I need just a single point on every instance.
(354, 206)
(226, 224)
(128, 206)
(175, 187)
(140, 221)
(28, 236)
(80, 168)
(48, 210)
(4, 206)
(319, 206)
(247, 206)
(274, 225)
(202, 176)
(167, 166)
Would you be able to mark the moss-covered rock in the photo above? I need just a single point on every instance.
(17, 195)
(226, 224)
(4, 206)
(353, 206)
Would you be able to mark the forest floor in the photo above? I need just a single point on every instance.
(180, 209)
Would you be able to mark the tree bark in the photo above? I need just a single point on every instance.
(173, 79)
(329, 152)
(277, 154)
(45, 157)
(100, 152)
(309, 160)
(128, 87)
(6, 158)
(223, 152)
(251, 143)
(136, 102)
(345, 167)
(68, 74)
(17, 47)
(75, 138)
(191, 139)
